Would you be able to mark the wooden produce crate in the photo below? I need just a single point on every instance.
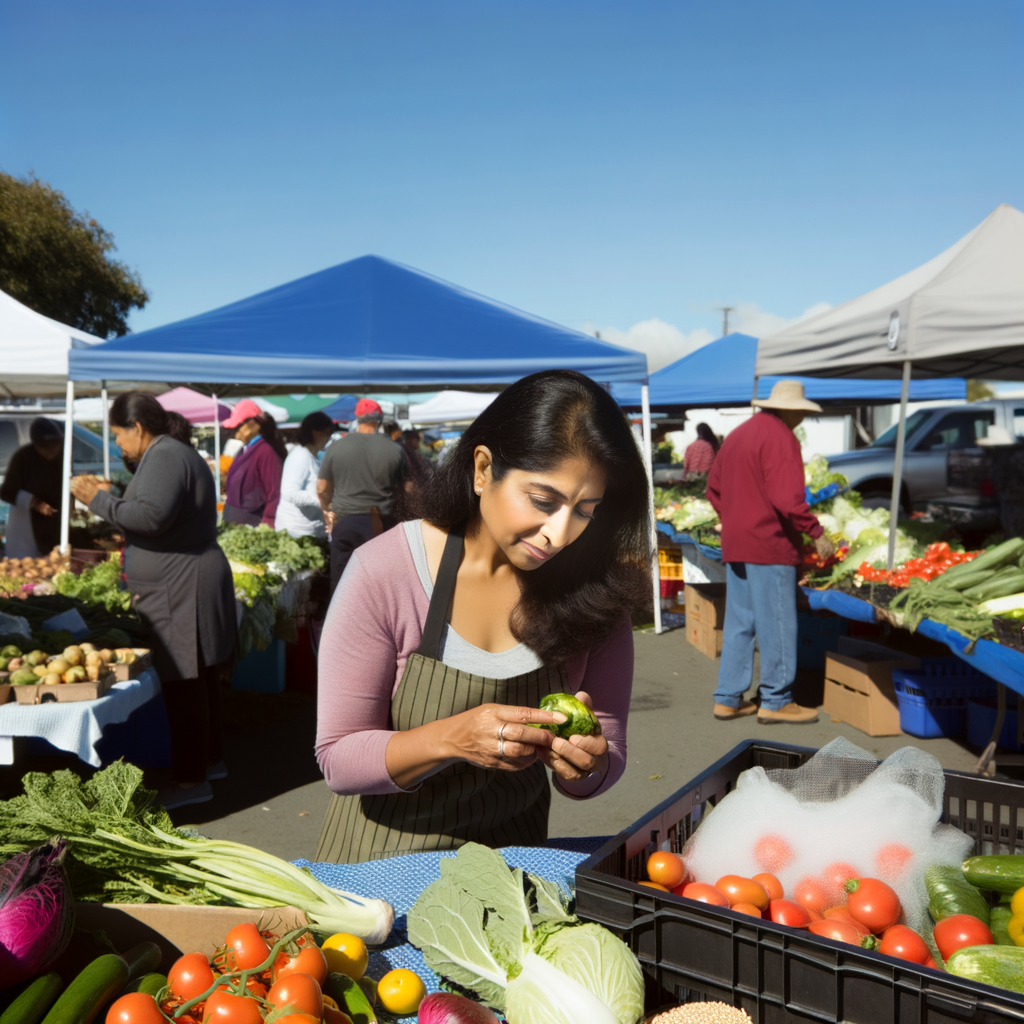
(40, 693)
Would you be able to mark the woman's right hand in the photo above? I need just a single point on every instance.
(499, 736)
(42, 507)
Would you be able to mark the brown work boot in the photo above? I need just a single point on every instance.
(790, 713)
(724, 713)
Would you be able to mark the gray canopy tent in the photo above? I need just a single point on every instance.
(960, 314)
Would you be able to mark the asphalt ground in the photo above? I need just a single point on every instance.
(275, 798)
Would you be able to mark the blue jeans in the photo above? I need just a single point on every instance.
(760, 600)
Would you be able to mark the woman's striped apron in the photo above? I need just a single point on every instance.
(461, 803)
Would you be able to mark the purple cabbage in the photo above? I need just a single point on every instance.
(448, 1008)
(36, 912)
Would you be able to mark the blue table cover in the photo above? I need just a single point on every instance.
(714, 554)
(841, 604)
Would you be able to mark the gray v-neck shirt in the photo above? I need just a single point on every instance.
(456, 652)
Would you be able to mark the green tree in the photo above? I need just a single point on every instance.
(57, 261)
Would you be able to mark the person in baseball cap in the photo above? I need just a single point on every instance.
(253, 486)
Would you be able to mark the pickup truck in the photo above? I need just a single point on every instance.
(943, 466)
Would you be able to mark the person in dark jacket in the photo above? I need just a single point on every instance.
(32, 487)
(180, 583)
(254, 479)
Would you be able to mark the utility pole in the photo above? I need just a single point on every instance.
(726, 310)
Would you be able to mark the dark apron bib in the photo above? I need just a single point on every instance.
(461, 803)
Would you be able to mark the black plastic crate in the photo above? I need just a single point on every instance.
(692, 951)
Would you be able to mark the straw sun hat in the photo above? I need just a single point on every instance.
(787, 394)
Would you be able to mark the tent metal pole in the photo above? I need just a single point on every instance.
(897, 468)
(216, 449)
(645, 403)
(105, 406)
(756, 379)
(65, 490)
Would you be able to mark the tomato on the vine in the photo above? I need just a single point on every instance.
(247, 948)
(135, 1008)
(953, 933)
(310, 960)
(190, 976)
(873, 903)
(224, 1008)
(299, 991)
(904, 944)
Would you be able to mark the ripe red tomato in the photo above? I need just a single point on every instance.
(842, 913)
(771, 885)
(773, 853)
(666, 869)
(904, 944)
(190, 976)
(705, 894)
(892, 859)
(743, 890)
(810, 893)
(299, 991)
(838, 930)
(224, 1008)
(656, 885)
(834, 878)
(788, 912)
(747, 908)
(246, 947)
(135, 1008)
(953, 933)
(873, 903)
(310, 960)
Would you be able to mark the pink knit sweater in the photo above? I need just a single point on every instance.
(374, 624)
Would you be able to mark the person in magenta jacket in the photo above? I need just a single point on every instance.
(254, 479)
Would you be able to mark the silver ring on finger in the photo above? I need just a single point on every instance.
(501, 747)
(501, 731)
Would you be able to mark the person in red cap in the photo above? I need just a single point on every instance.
(359, 476)
(254, 479)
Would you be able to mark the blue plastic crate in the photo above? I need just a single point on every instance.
(933, 700)
(263, 671)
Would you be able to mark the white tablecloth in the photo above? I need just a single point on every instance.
(75, 726)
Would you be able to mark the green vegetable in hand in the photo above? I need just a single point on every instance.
(580, 720)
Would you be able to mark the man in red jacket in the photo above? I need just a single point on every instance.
(756, 485)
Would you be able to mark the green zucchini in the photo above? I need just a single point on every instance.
(152, 984)
(90, 991)
(33, 1003)
(1004, 587)
(1002, 966)
(1002, 872)
(950, 893)
(999, 919)
(142, 959)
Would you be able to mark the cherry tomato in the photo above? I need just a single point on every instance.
(246, 947)
(892, 859)
(224, 1008)
(953, 933)
(904, 944)
(842, 913)
(747, 908)
(135, 1008)
(656, 885)
(771, 885)
(190, 976)
(788, 912)
(810, 893)
(299, 991)
(838, 930)
(743, 890)
(703, 893)
(873, 903)
(310, 960)
(666, 869)
(834, 879)
(772, 852)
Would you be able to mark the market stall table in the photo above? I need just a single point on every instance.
(75, 726)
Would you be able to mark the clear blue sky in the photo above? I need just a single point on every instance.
(594, 163)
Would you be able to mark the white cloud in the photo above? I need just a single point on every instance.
(664, 343)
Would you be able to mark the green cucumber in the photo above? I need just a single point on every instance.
(90, 991)
(950, 893)
(34, 1002)
(1000, 918)
(1002, 872)
(1002, 966)
(152, 984)
(142, 959)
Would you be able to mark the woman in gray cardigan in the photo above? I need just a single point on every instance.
(180, 583)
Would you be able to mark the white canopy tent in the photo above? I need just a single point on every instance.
(960, 314)
(450, 407)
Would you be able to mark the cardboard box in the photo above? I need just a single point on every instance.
(858, 686)
(125, 672)
(706, 603)
(5, 692)
(40, 693)
(703, 636)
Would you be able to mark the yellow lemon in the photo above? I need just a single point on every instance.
(346, 954)
(400, 992)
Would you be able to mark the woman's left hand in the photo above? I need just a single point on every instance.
(84, 488)
(578, 757)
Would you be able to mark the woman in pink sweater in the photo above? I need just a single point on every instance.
(445, 633)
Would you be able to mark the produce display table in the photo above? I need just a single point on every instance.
(701, 562)
(76, 726)
(400, 880)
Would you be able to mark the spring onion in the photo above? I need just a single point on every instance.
(1003, 605)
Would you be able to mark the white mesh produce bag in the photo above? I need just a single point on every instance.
(839, 807)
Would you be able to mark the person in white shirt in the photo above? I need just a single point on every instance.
(299, 512)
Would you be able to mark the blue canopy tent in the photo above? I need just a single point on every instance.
(343, 408)
(722, 374)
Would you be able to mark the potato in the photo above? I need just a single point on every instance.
(14, 664)
(73, 655)
(51, 679)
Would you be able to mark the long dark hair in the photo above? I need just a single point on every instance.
(139, 407)
(179, 428)
(705, 433)
(268, 431)
(314, 423)
(575, 600)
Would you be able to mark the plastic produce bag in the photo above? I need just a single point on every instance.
(841, 807)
